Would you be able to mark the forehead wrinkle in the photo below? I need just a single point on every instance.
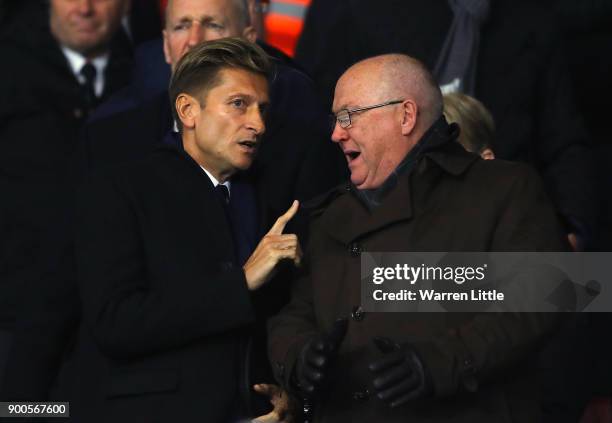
(364, 84)
(184, 16)
(201, 18)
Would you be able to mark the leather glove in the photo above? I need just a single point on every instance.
(316, 356)
(400, 376)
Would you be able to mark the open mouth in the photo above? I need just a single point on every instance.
(352, 155)
(249, 146)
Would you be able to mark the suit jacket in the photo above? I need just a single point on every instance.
(522, 77)
(41, 110)
(164, 298)
(451, 201)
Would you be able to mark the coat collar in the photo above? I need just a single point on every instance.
(347, 219)
(243, 183)
(446, 152)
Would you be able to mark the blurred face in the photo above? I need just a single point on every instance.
(372, 145)
(86, 26)
(224, 134)
(190, 22)
(487, 154)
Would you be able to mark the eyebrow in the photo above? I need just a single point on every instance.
(201, 18)
(343, 107)
(247, 97)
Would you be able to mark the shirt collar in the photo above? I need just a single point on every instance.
(76, 61)
(215, 182)
(173, 140)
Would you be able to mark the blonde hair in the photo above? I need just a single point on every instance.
(474, 119)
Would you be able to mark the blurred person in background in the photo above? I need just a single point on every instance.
(476, 126)
(61, 59)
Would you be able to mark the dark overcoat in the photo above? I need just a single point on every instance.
(479, 364)
(166, 309)
(42, 107)
(296, 160)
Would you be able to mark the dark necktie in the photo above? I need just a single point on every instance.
(89, 73)
(223, 193)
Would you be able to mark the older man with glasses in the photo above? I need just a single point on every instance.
(412, 188)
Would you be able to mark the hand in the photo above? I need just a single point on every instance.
(400, 375)
(273, 247)
(280, 400)
(316, 356)
(574, 242)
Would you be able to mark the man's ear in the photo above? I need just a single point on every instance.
(250, 34)
(187, 109)
(166, 48)
(410, 111)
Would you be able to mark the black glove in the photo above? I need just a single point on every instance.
(316, 356)
(400, 375)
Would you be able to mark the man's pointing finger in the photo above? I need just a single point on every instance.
(281, 222)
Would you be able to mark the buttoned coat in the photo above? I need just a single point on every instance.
(166, 309)
(479, 364)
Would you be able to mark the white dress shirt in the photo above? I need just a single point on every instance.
(77, 61)
(214, 181)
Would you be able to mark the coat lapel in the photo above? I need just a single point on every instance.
(396, 207)
(245, 218)
(216, 228)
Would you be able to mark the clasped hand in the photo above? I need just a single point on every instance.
(315, 357)
(400, 376)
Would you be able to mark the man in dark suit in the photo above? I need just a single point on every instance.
(518, 65)
(60, 59)
(168, 254)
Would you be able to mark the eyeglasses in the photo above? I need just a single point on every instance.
(343, 117)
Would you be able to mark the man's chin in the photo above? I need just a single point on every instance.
(243, 165)
(358, 181)
(89, 45)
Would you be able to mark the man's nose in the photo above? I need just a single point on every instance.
(339, 134)
(85, 7)
(256, 121)
(196, 34)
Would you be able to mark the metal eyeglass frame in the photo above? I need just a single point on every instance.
(336, 117)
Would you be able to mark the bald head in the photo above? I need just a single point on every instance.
(240, 10)
(396, 76)
(383, 107)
